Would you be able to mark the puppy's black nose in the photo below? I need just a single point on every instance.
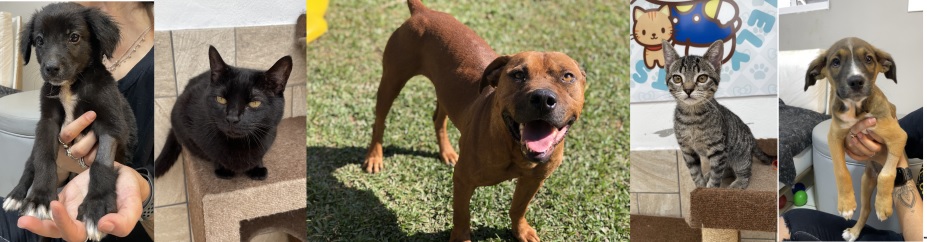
(856, 82)
(544, 99)
(52, 69)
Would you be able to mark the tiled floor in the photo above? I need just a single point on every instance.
(250, 47)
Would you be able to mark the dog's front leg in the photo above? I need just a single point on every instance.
(101, 195)
(895, 139)
(463, 191)
(525, 188)
(846, 197)
(14, 201)
(868, 183)
(44, 154)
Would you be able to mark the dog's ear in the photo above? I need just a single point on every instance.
(814, 70)
(278, 74)
(669, 54)
(715, 54)
(105, 32)
(216, 65)
(25, 40)
(887, 63)
(493, 72)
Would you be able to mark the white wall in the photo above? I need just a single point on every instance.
(652, 123)
(885, 24)
(201, 14)
(32, 80)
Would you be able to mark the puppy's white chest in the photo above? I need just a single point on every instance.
(68, 100)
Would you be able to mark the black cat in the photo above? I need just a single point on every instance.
(228, 116)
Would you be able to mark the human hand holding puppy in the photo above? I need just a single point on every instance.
(131, 190)
(84, 148)
(862, 145)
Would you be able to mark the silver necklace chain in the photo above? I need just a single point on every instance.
(128, 53)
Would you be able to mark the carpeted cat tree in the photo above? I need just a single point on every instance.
(241, 208)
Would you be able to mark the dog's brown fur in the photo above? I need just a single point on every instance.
(474, 88)
(846, 112)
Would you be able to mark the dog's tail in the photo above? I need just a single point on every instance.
(762, 156)
(416, 6)
(169, 154)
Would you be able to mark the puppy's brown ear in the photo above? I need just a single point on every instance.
(669, 54)
(217, 66)
(814, 70)
(493, 72)
(887, 63)
(278, 74)
(105, 33)
(25, 41)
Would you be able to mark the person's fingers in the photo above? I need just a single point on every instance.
(117, 224)
(70, 131)
(869, 144)
(45, 228)
(71, 230)
(83, 146)
(862, 126)
(853, 147)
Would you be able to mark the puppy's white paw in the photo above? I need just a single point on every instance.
(92, 233)
(848, 236)
(12, 204)
(38, 211)
(847, 214)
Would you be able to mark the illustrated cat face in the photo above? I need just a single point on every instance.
(653, 26)
(243, 101)
(693, 79)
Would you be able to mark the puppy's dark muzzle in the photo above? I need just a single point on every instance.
(854, 87)
(856, 82)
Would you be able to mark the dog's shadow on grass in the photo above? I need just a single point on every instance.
(337, 211)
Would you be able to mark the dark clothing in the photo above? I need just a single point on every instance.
(913, 124)
(814, 225)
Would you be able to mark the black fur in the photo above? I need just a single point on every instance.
(51, 31)
(232, 135)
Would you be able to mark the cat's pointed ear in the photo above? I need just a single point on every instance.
(715, 54)
(669, 54)
(814, 70)
(278, 74)
(665, 10)
(638, 11)
(216, 65)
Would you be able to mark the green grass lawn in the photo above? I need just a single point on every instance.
(586, 199)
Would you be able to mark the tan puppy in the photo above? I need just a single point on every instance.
(851, 66)
(513, 112)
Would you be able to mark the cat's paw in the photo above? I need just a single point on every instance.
(91, 210)
(740, 183)
(257, 173)
(700, 182)
(224, 173)
(849, 236)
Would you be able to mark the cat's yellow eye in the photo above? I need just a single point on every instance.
(221, 100)
(702, 79)
(254, 104)
(677, 79)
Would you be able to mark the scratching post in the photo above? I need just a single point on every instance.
(240, 208)
(720, 235)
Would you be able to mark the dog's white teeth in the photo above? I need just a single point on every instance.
(92, 233)
(11, 204)
(521, 128)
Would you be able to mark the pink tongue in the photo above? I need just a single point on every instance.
(538, 136)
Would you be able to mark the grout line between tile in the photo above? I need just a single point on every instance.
(173, 65)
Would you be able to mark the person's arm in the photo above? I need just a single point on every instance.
(909, 208)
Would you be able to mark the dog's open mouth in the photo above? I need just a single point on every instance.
(537, 138)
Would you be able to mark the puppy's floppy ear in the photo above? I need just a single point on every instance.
(104, 30)
(216, 65)
(25, 40)
(278, 74)
(669, 54)
(715, 54)
(887, 63)
(493, 72)
(814, 70)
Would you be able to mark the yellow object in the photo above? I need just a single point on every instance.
(315, 21)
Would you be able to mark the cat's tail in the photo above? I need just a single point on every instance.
(169, 154)
(763, 157)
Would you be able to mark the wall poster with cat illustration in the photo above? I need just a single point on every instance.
(748, 28)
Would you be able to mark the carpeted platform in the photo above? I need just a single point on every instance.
(652, 228)
(218, 207)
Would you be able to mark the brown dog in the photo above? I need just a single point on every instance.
(513, 112)
(851, 66)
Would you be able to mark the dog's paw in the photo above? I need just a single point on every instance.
(92, 210)
(373, 164)
(883, 207)
(846, 206)
(257, 173)
(449, 157)
(525, 233)
(11, 204)
(37, 205)
(849, 236)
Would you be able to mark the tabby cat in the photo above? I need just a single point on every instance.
(228, 116)
(704, 128)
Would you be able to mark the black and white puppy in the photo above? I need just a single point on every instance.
(69, 42)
